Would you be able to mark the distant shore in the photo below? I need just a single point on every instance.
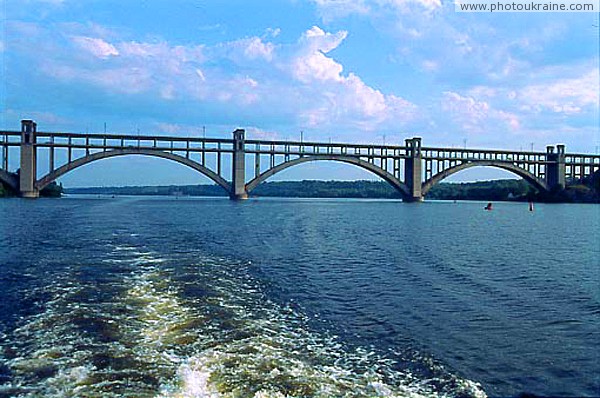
(495, 190)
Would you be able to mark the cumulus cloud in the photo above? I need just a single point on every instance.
(338, 96)
(300, 79)
(311, 63)
(168, 71)
(255, 48)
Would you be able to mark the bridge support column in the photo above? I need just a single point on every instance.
(555, 168)
(238, 174)
(413, 176)
(28, 170)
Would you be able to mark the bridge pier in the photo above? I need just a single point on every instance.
(238, 172)
(413, 176)
(555, 168)
(28, 170)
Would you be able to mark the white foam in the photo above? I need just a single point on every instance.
(194, 384)
(262, 344)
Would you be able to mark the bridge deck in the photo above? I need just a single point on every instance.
(48, 139)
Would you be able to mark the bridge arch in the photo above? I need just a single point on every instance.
(508, 166)
(52, 176)
(393, 181)
(9, 179)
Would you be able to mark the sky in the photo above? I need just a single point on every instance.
(364, 71)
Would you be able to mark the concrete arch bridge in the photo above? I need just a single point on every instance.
(239, 165)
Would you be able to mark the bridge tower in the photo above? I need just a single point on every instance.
(413, 177)
(28, 170)
(555, 168)
(238, 174)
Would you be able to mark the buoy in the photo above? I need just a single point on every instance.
(530, 206)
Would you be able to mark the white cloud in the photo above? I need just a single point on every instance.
(566, 95)
(300, 80)
(200, 74)
(483, 91)
(316, 39)
(257, 133)
(182, 129)
(549, 92)
(45, 2)
(337, 97)
(331, 9)
(95, 46)
(475, 116)
(120, 80)
(311, 64)
(405, 4)
(242, 50)
(145, 50)
(273, 32)
(255, 48)
(249, 82)
(430, 66)
(167, 92)
(317, 67)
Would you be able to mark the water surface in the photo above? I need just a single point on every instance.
(165, 297)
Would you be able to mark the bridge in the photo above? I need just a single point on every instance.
(239, 165)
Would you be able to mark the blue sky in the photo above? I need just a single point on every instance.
(349, 70)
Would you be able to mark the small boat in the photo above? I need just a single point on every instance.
(488, 207)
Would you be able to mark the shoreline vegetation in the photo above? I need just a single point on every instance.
(586, 191)
(53, 190)
(581, 191)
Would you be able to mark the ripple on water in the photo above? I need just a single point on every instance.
(141, 336)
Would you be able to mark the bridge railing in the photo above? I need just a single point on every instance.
(118, 141)
(306, 148)
(10, 138)
(577, 166)
(482, 154)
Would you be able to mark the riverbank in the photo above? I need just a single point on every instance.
(496, 190)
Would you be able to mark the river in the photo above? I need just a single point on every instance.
(205, 297)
